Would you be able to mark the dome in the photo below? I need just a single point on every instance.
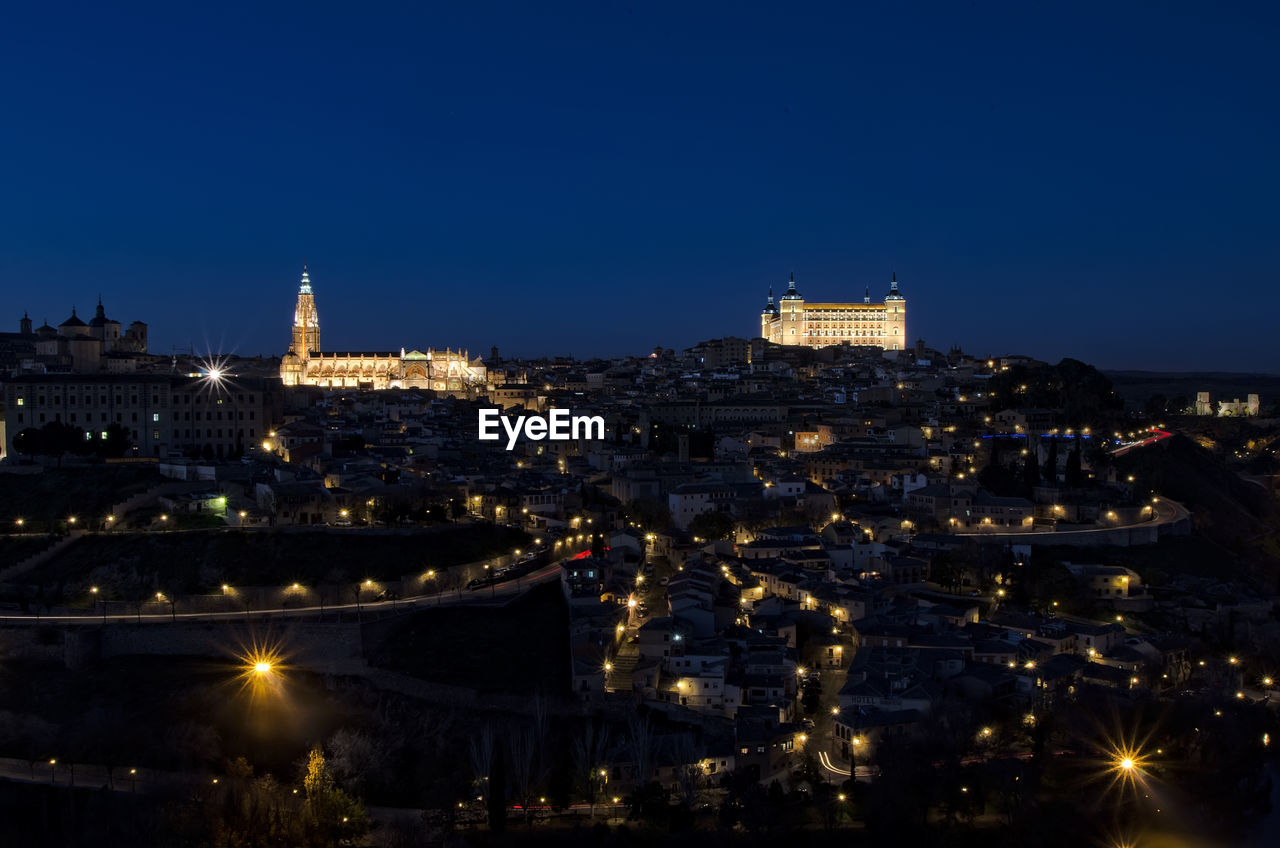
(100, 318)
(73, 321)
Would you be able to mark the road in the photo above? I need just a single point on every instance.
(484, 596)
(1142, 440)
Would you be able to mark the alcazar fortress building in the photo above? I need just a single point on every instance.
(792, 321)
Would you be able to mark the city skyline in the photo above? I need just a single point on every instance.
(619, 179)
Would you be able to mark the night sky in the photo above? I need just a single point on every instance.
(1093, 180)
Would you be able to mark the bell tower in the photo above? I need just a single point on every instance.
(306, 322)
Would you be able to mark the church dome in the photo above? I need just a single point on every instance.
(73, 321)
(100, 318)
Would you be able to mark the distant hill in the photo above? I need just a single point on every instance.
(1136, 386)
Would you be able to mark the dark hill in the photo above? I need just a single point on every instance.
(1236, 514)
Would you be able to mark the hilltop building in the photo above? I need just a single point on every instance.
(792, 321)
(75, 346)
(306, 364)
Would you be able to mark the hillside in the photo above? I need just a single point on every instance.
(1239, 516)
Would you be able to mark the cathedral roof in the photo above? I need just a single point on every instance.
(73, 321)
(100, 318)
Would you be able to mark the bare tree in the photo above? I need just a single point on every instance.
(589, 750)
(482, 758)
(690, 779)
(640, 747)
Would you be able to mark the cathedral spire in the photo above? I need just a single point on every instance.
(866, 295)
(306, 281)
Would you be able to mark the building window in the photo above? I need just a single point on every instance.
(155, 416)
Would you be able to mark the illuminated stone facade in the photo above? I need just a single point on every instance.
(306, 365)
(792, 321)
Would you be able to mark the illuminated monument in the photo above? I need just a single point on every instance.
(792, 321)
(306, 365)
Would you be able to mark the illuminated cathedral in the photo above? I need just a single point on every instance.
(306, 364)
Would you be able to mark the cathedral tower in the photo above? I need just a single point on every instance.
(306, 323)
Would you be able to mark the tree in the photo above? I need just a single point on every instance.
(651, 514)
(640, 747)
(712, 526)
(497, 800)
(1051, 464)
(334, 816)
(528, 766)
(589, 749)
(1074, 475)
(1031, 467)
(481, 749)
(52, 439)
(113, 441)
(690, 779)
(946, 570)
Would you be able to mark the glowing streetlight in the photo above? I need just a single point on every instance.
(262, 667)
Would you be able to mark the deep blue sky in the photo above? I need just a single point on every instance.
(1095, 180)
